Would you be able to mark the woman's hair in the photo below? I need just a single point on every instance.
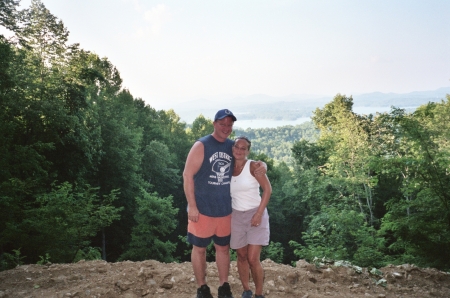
(244, 138)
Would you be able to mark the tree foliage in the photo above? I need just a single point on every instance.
(381, 186)
(155, 219)
(73, 154)
(277, 143)
(8, 13)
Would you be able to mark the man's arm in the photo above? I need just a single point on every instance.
(193, 163)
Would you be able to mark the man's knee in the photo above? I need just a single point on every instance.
(222, 249)
(198, 250)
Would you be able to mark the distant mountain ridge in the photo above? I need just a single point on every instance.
(260, 106)
(415, 98)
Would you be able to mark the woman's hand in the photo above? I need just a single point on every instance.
(256, 219)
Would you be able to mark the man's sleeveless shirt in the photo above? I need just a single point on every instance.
(212, 181)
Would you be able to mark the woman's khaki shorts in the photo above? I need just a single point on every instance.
(243, 234)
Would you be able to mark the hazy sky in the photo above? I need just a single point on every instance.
(169, 51)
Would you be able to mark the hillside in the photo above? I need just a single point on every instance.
(154, 279)
(277, 142)
(260, 106)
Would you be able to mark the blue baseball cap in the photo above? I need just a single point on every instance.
(224, 113)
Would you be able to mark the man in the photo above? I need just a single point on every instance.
(207, 177)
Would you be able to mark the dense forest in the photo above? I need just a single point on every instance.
(87, 171)
(277, 143)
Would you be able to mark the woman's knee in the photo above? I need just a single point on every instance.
(242, 254)
(253, 261)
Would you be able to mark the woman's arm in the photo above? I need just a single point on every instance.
(266, 187)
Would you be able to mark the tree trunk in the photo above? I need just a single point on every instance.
(103, 245)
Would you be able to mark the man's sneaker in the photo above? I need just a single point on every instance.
(259, 296)
(204, 292)
(247, 294)
(225, 291)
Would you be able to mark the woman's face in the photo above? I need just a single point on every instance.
(240, 149)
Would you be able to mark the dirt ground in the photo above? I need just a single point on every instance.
(154, 279)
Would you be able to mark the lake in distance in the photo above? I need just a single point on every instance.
(269, 123)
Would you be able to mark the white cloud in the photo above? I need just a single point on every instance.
(135, 3)
(157, 17)
(139, 33)
(374, 59)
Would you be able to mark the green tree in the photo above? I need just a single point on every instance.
(45, 35)
(159, 169)
(62, 222)
(155, 219)
(417, 223)
(336, 180)
(277, 143)
(65, 118)
(339, 234)
(327, 117)
(175, 137)
(200, 127)
(8, 14)
(119, 166)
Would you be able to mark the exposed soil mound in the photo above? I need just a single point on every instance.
(155, 279)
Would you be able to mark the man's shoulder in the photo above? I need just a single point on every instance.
(205, 138)
(211, 138)
(198, 144)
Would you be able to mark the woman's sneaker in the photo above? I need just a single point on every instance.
(225, 291)
(247, 294)
(204, 292)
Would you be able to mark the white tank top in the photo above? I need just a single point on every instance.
(244, 190)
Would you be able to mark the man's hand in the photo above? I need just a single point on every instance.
(261, 168)
(193, 214)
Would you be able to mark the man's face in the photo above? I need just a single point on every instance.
(223, 127)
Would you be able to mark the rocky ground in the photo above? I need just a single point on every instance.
(154, 279)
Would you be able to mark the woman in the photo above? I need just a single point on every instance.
(249, 219)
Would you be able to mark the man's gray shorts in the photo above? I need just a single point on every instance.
(242, 233)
